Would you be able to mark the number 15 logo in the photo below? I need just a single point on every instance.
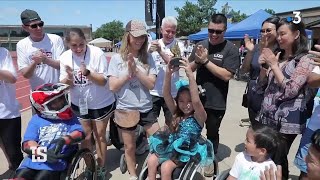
(297, 17)
(41, 153)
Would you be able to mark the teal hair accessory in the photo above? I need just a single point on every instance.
(181, 82)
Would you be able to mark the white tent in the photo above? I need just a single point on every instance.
(101, 42)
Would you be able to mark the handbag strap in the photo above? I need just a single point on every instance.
(246, 90)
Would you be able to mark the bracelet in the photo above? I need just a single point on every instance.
(197, 62)
(205, 63)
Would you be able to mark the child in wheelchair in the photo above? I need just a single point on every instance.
(174, 146)
(262, 144)
(53, 129)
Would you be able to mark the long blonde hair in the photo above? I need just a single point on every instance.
(124, 49)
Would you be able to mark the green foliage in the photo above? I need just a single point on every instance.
(270, 11)
(237, 16)
(112, 30)
(192, 17)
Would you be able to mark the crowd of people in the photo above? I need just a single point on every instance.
(143, 78)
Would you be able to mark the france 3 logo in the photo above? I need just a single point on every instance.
(296, 19)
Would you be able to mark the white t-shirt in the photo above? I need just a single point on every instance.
(133, 94)
(97, 96)
(244, 168)
(161, 70)
(9, 106)
(53, 46)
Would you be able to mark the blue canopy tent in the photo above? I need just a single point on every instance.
(203, 34)
(250, 26)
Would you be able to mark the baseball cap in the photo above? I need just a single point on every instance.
(28, 16)
(136, 28)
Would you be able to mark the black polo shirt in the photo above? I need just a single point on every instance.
(224, 55)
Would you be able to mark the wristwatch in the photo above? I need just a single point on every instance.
(87, 72)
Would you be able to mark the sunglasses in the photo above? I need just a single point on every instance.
(265, 31)
(33, 26)
(212, 31)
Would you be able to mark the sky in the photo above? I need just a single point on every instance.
(82, 12)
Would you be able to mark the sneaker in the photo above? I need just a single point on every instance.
(101, 173)
(245, 122)
(133, 178)
(8, 174)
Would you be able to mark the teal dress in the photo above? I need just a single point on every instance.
(183, 145)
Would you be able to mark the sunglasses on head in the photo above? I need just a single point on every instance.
(33, 26)
(212, 31)
(265, 30)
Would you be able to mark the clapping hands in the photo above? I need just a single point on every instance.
(39, 56)
(155, 46)
(248, 43)
(270, 174)
(131, 65)
(316, 55)
(201, 54)
(267, 56)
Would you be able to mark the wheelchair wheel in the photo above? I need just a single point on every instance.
(189, 170)
(224, 175)
(123, 164)
(82, 161)
(144, 170)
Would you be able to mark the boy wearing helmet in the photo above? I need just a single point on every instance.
(54, 127)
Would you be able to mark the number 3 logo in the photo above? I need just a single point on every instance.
(297, 17)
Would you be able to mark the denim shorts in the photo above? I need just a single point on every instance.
(305, 143)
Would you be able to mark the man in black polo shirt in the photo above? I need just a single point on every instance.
(216, 61)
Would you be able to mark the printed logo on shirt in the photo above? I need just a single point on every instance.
(134, 84)
(218, 57)
(79, 78)
(39, 154)
(51, 132)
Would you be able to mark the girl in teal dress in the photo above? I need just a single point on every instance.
(175, 145)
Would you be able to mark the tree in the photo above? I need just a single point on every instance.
(113, 30)
(206, 9)
(191, 17)
(237, 16)
(270, 11)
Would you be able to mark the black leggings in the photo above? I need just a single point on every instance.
(213, 122)
(32, 174)
(287, 140)
(10, 137)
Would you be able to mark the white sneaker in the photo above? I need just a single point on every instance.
(133, 178)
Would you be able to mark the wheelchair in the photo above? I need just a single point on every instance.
(83, 159)
(187, 172)
(223, 175)
(78, 163)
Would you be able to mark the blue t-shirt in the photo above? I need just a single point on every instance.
(44, 131)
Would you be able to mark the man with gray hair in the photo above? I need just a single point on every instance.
(162, 51)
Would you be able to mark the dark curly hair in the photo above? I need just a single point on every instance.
(267, 138)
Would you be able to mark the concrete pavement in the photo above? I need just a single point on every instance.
(231, 138)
